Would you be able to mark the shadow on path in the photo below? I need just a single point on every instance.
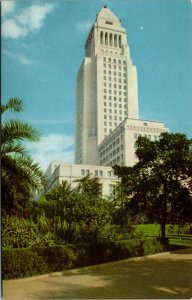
(165, 276)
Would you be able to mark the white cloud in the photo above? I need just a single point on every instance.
(34, 16)
(7, 7)
(18, 57)
(29, 20)
(11, 29)
(53, 147)
(84, 26)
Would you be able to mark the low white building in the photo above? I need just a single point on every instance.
(119, 146)
(58, 172)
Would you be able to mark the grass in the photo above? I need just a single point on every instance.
(177, 240)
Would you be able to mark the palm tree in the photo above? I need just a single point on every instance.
(20, 175)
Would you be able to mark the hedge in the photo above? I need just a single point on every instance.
(19, 263)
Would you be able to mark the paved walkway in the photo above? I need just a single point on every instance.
(161, 276)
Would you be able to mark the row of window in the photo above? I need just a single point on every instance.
(114, 98)
(115, 104)
(110, 39)
(115, 118)
(114, 73)
(117, 160)
(114, 60)
(115, 86)
(109, 66)
(97, 173)
(115, 111)
(155, 137)
(114, 92)
(114, 79)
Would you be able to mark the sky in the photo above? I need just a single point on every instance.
(43, 47)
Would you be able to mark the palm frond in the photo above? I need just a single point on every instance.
(11, 148)
(16, 130)
(13, 104)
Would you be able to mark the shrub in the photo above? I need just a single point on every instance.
(21, 233)
(57, 257)
(155, 245)
(22, 263)
(27, 262)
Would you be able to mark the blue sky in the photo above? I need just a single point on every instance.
(43, 47)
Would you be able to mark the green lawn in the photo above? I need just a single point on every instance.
(176, 240)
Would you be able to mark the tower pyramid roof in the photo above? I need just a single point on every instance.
(107, 15)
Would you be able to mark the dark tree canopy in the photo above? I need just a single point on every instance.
(159, 185)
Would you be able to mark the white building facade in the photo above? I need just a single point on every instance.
(72, 173)
(119, 147)
(107, 113)
(106, 87)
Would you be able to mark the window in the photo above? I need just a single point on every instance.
(96, 173)
(105, 103)
(83, 172)
(101, 173)
(145, 124)
(135, 135)
(109, 59)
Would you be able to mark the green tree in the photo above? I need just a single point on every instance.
(89, 186)
(159, 184)
(20, 175)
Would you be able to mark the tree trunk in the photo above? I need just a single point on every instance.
(163, 226)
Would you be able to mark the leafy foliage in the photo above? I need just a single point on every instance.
(27, 262)
(20, 175)
(158, 185)
(21, 233)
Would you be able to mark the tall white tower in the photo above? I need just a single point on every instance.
(106, 88)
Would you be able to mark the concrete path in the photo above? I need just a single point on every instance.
(160, 276)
